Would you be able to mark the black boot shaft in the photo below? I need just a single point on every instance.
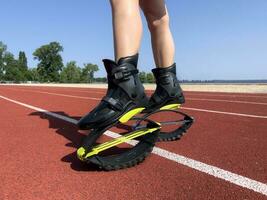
(133, 60)
(124, 74)
(125, 92)
(163, 71)
(129, 60)
(166, 78)
(168, 90)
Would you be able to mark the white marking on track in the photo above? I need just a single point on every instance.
(188, 93)
(225, 175)
(66, 95)
(196, 93)
(185, 108)
(225, 113)
(225, 95)
(56, 94)
(189, 98)
(227, 101)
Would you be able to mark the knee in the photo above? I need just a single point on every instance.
(157, 21)
(121, 8)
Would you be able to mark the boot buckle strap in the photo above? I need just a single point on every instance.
(113, 102)
(119, 75)
(124, 75)
(124, 72)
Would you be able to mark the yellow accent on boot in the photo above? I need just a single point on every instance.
(171, 106)
(80, 153)
(127, 116)
(119, 140)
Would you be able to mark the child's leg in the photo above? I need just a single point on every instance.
(125, 96)
(127, 27)
(168, 90)
(158, 22)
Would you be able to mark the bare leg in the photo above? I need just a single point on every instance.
(158, 23)
(127, 27)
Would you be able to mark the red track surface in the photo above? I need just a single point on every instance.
(39, 159)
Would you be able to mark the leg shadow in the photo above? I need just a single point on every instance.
(71, 133)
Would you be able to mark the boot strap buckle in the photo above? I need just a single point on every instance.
(113, 102)
(119, 75)
(123, 73)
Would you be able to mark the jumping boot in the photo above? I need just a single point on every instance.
(168, 93)
(125, 96)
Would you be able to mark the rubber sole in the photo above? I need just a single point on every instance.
(178, 133)
(146, 139)
(81, 152)
(129, 158)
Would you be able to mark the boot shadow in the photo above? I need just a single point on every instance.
(71, 132)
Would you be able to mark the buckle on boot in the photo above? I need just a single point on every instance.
(115, 104)
(118, 75)
(124, 72)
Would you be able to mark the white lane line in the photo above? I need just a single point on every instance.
(66, 95)
(92, 92)
(225, 95)
(225, 175)
(227, 101)
(225, 113)
(197, 93)
(185, 108)
(188, 98)
(41, 110)
(82, 97)
(197, 99)
(56, 94)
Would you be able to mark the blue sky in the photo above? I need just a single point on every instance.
(214, 39)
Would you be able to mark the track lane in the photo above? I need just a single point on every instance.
(79, 94)
(246, 97)
(169, 181)
(38, 151)
(201, 151)
(232, 108)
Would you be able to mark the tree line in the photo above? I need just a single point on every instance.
(50, 67)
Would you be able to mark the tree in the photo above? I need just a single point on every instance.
(12, 70)
(71, 73)
(22, 61)
(50, 61)
(101, 79)
(23, 65)
(3, 49)
(32, 74)
(88, 72)
(142, 76)
(150, 78)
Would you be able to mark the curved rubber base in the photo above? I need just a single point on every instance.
(146, 136)
(129, 158)
(177, 133)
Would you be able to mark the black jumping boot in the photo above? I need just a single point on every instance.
(168, 90)
(125, 96)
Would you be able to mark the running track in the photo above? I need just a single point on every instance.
(223, 156)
